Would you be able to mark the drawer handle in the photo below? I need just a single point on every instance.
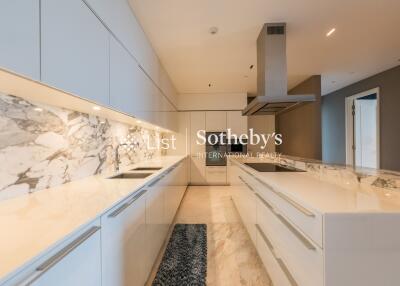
(52, 261)
(288, 200)
(300, 236)
(156, 180)
(246, 184)
(287, 272)
(265, 203)
(280, 262)
(265, 238)
(304, 240)
(126, 205)
(296, 205)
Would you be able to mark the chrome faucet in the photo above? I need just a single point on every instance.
(118, 157)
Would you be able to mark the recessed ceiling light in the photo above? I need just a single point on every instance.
(38, 109)
(213, 30)
(331, 31)
(96, 108)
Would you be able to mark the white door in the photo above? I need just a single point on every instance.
(362, 129)
(19, 33)
(123, 242)
(365, 132)
(74, 50)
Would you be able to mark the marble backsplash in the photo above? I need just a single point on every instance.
(43, 146)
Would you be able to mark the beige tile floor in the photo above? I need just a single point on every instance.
(232, 258)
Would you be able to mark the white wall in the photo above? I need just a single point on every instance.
(212, 101)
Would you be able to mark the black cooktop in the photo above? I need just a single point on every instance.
(271, 167)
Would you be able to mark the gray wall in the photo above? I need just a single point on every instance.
(333, 119)
(301, 127)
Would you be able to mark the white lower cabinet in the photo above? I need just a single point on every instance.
(276, 268)
(123, 242)
(118, 249)
(77, 261)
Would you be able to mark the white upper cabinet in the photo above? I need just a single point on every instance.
(118, 16)
(75, 49)
(236, 122)
(125, 80)
(216, 121)
(19, 33)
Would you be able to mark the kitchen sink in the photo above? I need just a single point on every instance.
(131, 176)
(147, 169)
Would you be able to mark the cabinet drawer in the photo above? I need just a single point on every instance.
(271, 262)
(216, 175)
(74, 261)
(309, 222)
(300, 255)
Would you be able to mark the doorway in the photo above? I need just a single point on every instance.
(362, 129)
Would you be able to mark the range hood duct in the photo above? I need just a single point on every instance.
(272, 94)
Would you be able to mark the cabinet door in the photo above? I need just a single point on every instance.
(19, 31)
(197, 123)
(78, 262)
(215, 121)
(75, 50)
(125, 80)
(198, 170)
(236, 122)
(155, 222)
(123, 242)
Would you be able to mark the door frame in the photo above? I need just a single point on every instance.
(349, 124)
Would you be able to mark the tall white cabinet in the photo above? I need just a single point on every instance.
(75, 49)
(198, 162)
(216, 121)
(236, 122)
(19, 31)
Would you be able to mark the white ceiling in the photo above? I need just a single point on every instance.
(366, 41)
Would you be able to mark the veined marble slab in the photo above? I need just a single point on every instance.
(43, 146)
(342, 175)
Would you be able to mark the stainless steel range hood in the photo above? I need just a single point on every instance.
(273, 96)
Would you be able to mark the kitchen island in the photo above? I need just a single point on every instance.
(311, 231)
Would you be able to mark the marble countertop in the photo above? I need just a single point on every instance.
(323, 195)
(30, 224)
